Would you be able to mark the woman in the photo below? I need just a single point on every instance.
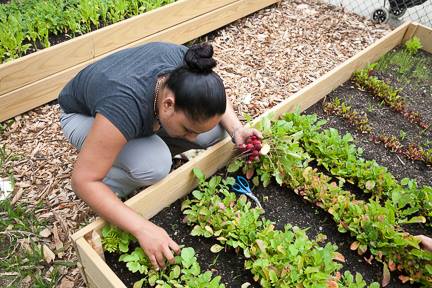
(128, 114)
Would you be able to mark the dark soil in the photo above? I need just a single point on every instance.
(385, 121)
(283, 207)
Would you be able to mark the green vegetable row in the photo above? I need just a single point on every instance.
(338, 155)
(276, 258)
(373, 224)
(186, 272)
(29, 25)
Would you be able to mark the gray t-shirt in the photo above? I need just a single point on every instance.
(121, 86)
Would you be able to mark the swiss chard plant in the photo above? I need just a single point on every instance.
(365, 79)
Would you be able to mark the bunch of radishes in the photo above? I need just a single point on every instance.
(253, 148)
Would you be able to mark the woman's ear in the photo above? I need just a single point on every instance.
(168, 103)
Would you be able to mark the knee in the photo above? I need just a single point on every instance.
(153, 172)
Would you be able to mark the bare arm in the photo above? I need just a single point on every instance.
(95, 159)
(233, 125)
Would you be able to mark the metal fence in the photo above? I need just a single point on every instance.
(394, 12)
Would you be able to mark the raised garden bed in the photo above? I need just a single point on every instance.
(37, 78)
(150, 201)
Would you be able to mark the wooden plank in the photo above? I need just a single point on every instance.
(410, 31)
(97, 272)
(131, 30)
(46, 62)
(47, 89)
(425, 35)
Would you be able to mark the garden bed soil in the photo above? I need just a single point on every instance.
(282, 206)
(383, 120)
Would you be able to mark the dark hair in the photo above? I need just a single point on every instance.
(198, 90)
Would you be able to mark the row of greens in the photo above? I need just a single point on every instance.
(360, 121)
(276, 258)
(186, 272)
(29, 25)
(366, 79)
(339, 156)
(374, 223)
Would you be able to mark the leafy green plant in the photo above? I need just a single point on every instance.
(372, 223)
(390, 96)
(276, 258)
(186, 271)
(340, 108)
(116, 240)
(413, 45)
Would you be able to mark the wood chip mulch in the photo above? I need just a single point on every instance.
(263, 59)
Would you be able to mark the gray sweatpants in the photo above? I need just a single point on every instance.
(142, 161)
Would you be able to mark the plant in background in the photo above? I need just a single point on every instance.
(413, 45)
(36, 21)
(338, 107)
(402, 135)
(390, 96)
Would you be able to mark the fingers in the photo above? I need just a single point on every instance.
(168, 255)
(174, 247)
(160, 260)
(257, 133)
(154, 262)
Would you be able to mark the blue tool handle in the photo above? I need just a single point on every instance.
(242, 181)
(238, 188)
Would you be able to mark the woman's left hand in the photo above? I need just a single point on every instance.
(243, 133)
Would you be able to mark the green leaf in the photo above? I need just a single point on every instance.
(175, 273)
(416, 219)
(197, 194)
(216, 248)
(273, 276)
(199, 174)
(139, 283)
(235, 166)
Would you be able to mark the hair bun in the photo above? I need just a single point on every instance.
(199, 58)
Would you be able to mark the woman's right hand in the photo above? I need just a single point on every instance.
(157, 244)
(426, 242)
